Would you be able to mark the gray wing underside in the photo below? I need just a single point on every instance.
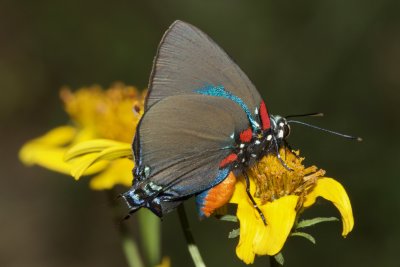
(183, 139)
(187, 60)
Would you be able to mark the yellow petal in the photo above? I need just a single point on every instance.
(240, 194)
(333, 191)
(52, 158)
(248, 224)
(55, 138)
(118, 172)
(280, 216)
(84, 134)
(49, 149)
(91, 146)
(49, 157)
(255, 237)
(81, 164)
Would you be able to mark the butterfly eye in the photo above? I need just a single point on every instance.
(286, 130)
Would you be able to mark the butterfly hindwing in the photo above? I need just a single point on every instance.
(183, 139)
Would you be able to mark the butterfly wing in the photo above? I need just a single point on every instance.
(188, 60)
(183, 139)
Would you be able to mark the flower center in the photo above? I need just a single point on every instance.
(110, 114)
(273, 181)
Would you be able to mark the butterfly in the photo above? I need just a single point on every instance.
(204, 125)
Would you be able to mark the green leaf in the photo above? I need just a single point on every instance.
(279, 258)
(228, 218)
(305, 235)
(234, 233)
(311, 222)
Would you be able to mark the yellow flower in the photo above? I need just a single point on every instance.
(282, 195)
(95, 114)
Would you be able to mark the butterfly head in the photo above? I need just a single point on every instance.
(280, 127)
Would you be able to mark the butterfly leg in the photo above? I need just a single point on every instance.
(252, 199)
(278, 155)
(290, 148)
(127, 216)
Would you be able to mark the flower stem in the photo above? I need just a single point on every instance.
(131, 250)
(150, 231)
(129, 246)
(192, 247)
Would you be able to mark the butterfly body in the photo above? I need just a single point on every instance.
(204, 125)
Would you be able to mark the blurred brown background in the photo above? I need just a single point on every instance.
(338, 57)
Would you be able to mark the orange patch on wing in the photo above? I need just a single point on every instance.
(219, 195)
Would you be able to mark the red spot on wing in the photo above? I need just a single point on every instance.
(266, 124)
(219, 195)
(246, 135)
(229, 159)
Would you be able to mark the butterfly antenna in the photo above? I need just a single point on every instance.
(359, 139)
(314, 114)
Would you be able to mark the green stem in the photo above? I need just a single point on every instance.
(131, 250)
(150, 231)
(192, 247)
(129, 246)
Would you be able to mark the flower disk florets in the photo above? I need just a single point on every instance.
(274, 181)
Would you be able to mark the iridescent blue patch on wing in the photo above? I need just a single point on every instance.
(221, 175)
(200, 198)
(221, 92)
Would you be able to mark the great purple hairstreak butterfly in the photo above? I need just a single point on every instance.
(204, 124)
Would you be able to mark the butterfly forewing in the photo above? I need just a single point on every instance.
(188, 60)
